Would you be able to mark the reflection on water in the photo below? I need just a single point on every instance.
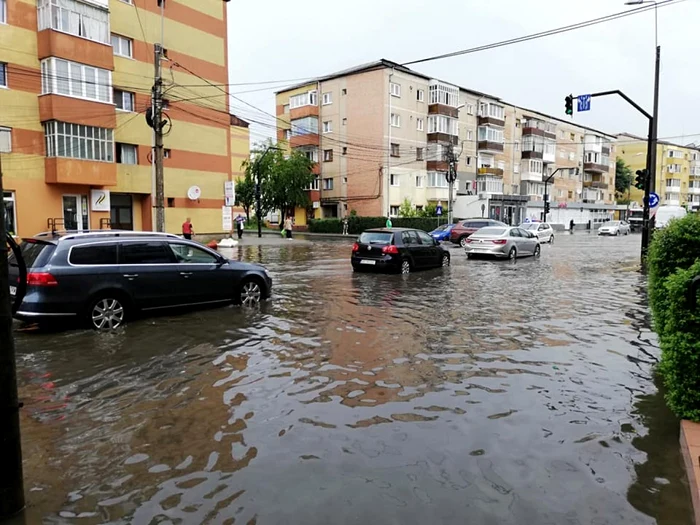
(506, 392)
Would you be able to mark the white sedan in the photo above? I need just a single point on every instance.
(543, 231)
(614, 228)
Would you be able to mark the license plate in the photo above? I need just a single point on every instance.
(13, 290)
(368, 261)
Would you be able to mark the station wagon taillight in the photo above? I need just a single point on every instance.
(355, 248)
(41, 279)
(390, 250)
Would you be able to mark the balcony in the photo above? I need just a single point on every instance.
(442, 109)
(605, 150)
(52, 43)
(443, 137)
(532, 154)
(437, 194)
(486, 145)
(437, 165)
(497, 172)
(532, 176)
(61, 170)
(595, 184)
(303, 112)
(77, 111)
(694, 191)
(492, 121)
(307, 139)
(595, 167)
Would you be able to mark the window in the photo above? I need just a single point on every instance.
(72, 79)
(78, 142)
(314, 184)
(123, 46)
(327, 184)
(420, 124)
(345, 180)
(327, 155)
(492, 110)
(8, 200)
(93, 255)
(420, 153)
(328, 126)
(310, 98)
(516, 145)
(345, 121)
(304, 126)
(443, 124)
(311, 153)
(491, 134)
(394, 179)
(444, 94)
(673, 154)
(74, 17)
(572, 136)
(516, 168)
(395, 120)
(285, 108)
(345, 150)
(419, 181)
(469, 161)
(572, 156)
(470, 109)
(167, 153)
(3, 11)
(124, 100)
(185, 253)
(393, 211)
(344, 91)
(287, 134)
(420, 95)
(126, 154)
(394, 150)
(145, 253)
(3, 74)
(437, 179)
(5, 140)
(470, 134)
(562, 154)
(395, 89)
(327, 98)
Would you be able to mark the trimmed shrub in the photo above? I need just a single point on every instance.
(357, 224)
(676, 246)
(680, 345)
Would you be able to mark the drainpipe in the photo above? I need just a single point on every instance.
(388, 154)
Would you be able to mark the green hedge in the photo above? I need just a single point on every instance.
(357, 225)
(674, 260)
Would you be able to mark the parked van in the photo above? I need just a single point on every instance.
(666, 213)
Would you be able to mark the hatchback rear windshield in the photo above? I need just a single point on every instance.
(492, 231)
(376, 238)
(476, 224)
(35, 254)
(531, 226)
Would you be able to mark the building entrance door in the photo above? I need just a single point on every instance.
(75, 212)
(121, 212)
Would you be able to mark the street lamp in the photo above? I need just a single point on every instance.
(656, 16)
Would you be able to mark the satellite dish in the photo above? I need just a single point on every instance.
(193, 193)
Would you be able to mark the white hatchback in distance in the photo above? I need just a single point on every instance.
(543, 231)
(614, 228)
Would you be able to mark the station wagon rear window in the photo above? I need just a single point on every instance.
(93, 255)
(376, 238)
(35, 254)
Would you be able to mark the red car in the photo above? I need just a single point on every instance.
(464, 228)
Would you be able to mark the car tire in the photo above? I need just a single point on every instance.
(445, 260)
(551, 240)
(250, 293)
(463, 241)
(513, 253)
(538, 250)
(107, 311)
(617, 233)
(405, 267)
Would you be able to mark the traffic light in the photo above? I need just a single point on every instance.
(641, 179)
(569, 100)
(546, 208)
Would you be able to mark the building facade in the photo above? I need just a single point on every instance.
(677, 170)
(76, 148)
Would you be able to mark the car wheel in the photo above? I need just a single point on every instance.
(405, 267)
(445, 260)
(513, 253)
(537, 251)
(107, 312)
(617, 233)
(463, 242)
(551, 240)
(250, 293)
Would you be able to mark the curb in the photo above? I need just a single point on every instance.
(690, 447)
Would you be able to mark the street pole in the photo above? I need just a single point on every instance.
(157, 111)
(11, 484)
(451, 177)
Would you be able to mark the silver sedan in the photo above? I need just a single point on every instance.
(614, 228)
(503, 242)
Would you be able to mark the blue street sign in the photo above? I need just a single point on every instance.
(438, 210)
(653, 200)
(584, 102)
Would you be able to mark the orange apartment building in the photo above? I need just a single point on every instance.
(75, 82)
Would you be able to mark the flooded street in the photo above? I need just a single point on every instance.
(488, 392)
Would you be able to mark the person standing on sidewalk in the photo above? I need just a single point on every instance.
(288, 227)
(187, 229)
(388, 222)
(345, 226)
(239, 226)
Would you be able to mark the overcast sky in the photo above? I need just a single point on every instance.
(280, 40)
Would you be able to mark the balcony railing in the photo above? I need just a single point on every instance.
(493, 121)
(595, 167)
(490, 171)
(532, 154)
(487, 145)
(596, 184)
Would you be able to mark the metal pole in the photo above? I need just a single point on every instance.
(258, 206)
(11, 484)
(650, 183)
(544, 212)
(158, 129)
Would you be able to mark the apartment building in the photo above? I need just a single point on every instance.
(677, 169)
(380, 133)
(76, 148)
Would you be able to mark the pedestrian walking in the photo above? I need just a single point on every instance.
(288, 224)
(388, 222)
(187, 229)
(239, 226)
(571, 226)
(345, 226)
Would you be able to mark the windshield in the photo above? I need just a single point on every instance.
(530, 226)
(613, 223)
(376, 238)
(491, 232)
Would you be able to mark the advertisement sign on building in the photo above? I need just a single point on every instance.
(226, 218)
(99, 200)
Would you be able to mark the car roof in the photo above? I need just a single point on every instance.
(388, 230)
(54, 237)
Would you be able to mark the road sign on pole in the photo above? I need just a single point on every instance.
(653, 204)
(584, 102)
(438, 210)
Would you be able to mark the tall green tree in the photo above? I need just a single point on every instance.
(406, 209)
(245, 194)
(623, 177)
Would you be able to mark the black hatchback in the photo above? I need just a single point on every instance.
(105, 277)
(397, 249)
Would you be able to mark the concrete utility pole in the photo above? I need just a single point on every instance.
(11, 485)
(157, 112)
(451, 176)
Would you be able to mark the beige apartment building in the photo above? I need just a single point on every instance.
(380, 132)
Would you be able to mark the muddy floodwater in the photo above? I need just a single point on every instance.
(487, 392)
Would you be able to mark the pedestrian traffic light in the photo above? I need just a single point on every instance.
(641, 179)
(569, 100)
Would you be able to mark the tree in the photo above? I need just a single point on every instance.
(245, 194)
(406, 209)
(430, 211)
(623, 177)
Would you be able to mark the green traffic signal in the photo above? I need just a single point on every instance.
(569, 105)
(640, 179)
